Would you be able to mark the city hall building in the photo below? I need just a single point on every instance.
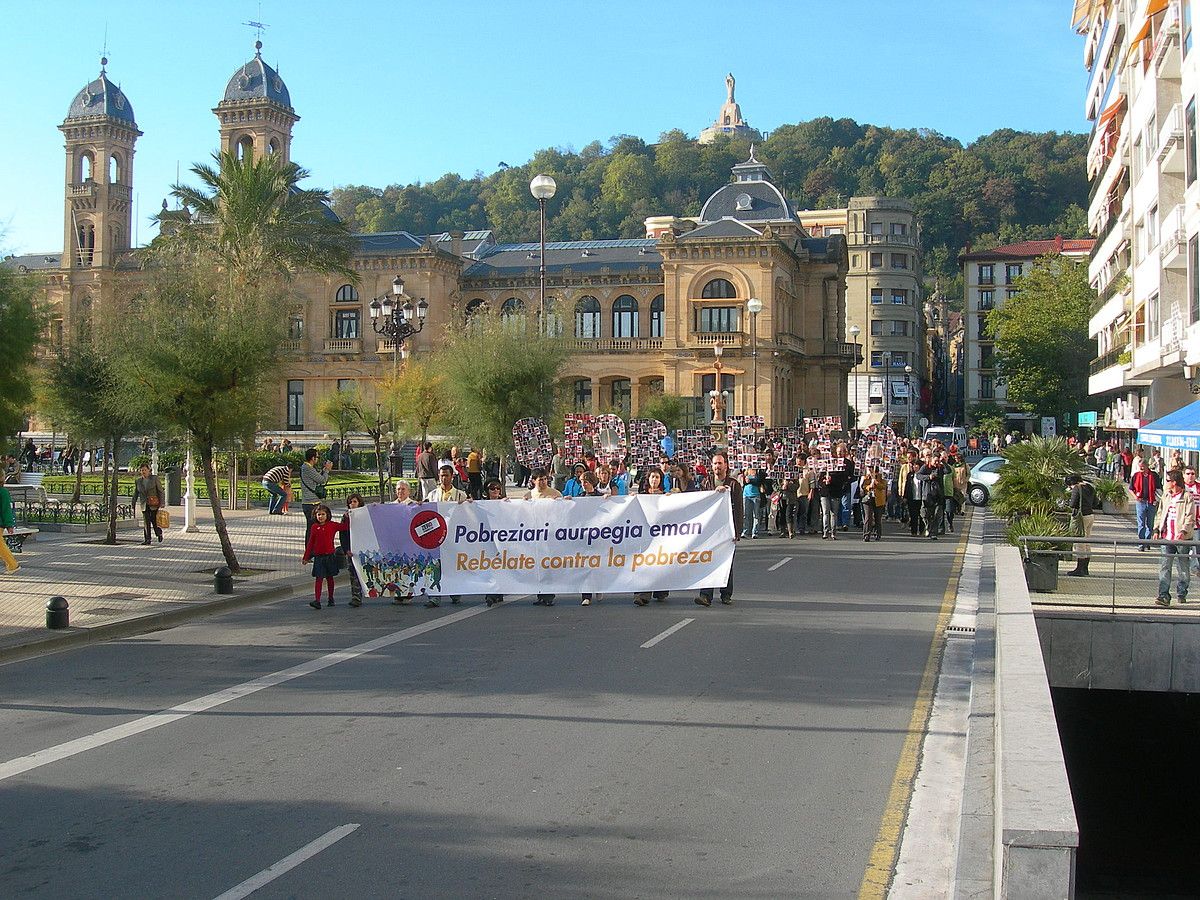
(640, 315)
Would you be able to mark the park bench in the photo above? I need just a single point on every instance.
(16, 540)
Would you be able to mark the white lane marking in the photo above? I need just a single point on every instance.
(41, 758)
(666, 634)
(782, 562)
(269, 874)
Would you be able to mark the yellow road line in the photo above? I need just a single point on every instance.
(887, 842)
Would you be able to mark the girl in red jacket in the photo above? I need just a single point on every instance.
(320, 551)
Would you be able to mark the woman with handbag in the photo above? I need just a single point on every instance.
(148, 491)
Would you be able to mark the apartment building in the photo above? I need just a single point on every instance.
(1144, 208)
(989, 279)
(885, 302)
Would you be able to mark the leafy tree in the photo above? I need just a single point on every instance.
(1042, 344)
(667, 408)
(341, 410)
(988, 416)
(495, 375)
(197, 355)
(418, 396)
(21, 322)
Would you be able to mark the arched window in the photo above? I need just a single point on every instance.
(625, 317)
(346, 294)
(657, 312)
(245, 147)
(587, 319)
(85, 167)
(718, 289)
(553, 324)
(273, 147)
(474, 307)
(512, 313)
(114, 170)
(87, 243)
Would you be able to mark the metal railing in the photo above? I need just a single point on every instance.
(1123, 573)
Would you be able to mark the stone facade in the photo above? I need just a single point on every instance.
(641, 315)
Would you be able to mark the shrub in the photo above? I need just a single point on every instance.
(1038, 525)
(1112, 491)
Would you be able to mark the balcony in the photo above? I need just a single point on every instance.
(1116, 357)
(84, 189)
(617, 345)
(899, 240)
(726, 338)
(1166, 53)
(1170, 141)
(291, 346)
(343, 345)
(1172, 245)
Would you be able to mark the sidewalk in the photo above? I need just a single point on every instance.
(129, 588)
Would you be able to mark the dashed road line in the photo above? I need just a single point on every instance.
(666, 634)
(782, 562)
(289, 862)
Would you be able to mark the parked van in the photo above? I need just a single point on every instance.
(947, 434)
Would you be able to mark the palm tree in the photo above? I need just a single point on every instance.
(251, 216)
(222, 264)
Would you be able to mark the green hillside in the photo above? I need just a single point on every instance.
(1006, 186)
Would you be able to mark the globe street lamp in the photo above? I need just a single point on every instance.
(542, 187)
(392, 316)
(854, 331)
(754, 306)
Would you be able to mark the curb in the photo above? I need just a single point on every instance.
(53, 642)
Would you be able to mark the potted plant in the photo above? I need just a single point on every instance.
(1031, 495)
(1113, 495)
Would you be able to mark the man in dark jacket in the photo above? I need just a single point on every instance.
(1083, 507)
(722, 480)
(930, 491)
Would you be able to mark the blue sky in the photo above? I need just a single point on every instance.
(391, 91)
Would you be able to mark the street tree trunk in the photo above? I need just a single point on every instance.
(375, 436)
(214, 500)
(111, 538)
(78, 473)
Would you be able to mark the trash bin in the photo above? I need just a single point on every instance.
(174, 487)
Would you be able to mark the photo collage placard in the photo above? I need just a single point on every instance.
(645, 442)
(531, 441)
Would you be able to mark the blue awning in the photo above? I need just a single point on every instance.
(1179, 430)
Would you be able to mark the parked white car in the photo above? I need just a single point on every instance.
(983, 478)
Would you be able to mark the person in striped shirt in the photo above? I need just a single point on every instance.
(278, 483)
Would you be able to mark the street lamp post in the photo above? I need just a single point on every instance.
(542, 187)
(392, 316)
(908, 399)
(754, 307)
(854, 331)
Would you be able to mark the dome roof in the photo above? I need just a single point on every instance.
(257, 81)
(102, 98)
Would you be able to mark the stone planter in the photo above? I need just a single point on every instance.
(1041, 572)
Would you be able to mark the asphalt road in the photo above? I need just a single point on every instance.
(512, 752)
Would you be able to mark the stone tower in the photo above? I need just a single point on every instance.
(729, 120)
(256, 113)
(100, 133)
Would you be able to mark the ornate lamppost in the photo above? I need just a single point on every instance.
(392, 316)
(754, 307)
(908, 400)
(717, 400)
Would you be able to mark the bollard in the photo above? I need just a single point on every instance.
(58, 613)
(223, 580)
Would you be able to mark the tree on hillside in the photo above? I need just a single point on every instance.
(21, 321)
(1042, 345)
(495, 375)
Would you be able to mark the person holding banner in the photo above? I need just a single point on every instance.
(494, 490)
(445, 492)
(722, 480)
(574, 486)
(542, 490)
(654, 485)
(592, 488)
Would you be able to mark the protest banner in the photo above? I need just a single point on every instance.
(612, 545)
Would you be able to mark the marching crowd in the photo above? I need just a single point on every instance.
(923, 489)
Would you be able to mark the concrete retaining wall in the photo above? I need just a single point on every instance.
(1036, 834)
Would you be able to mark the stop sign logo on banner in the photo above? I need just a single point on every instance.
(428, 529)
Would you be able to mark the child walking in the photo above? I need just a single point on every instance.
(354, 501)
(319, 549)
